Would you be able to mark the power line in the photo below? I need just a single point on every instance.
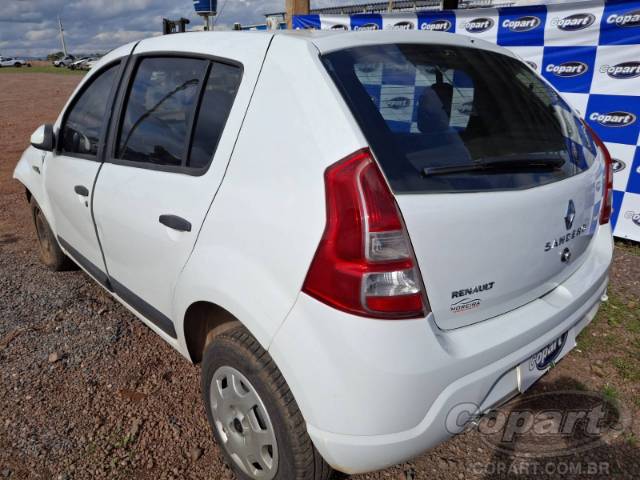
(215, 20)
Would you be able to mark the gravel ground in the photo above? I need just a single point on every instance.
(89, 392)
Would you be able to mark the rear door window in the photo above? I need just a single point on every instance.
(161, 101)
(451, 119)
(217, 100)
(175, 112)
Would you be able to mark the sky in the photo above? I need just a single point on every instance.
(30, 27)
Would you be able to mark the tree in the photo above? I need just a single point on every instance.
(55, 56)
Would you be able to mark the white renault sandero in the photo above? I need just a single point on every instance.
(367, 239)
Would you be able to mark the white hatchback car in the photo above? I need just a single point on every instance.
(367, 239)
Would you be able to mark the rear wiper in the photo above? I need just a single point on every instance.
(497, 164)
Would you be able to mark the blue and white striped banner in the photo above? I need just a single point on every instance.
(590, 52)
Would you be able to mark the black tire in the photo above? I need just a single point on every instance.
(17, 65)
(50, 253)
(297, 457)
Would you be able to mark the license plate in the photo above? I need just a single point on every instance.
(537, 365)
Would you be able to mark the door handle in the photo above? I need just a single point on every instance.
(81, 190)
(175, 222)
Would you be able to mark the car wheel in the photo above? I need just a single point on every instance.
(253, 415)
(17, 65)
(50, 252)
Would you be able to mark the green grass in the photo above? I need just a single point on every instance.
(617, 337)
(615, 311)
(43, 69)
(585, 340)
(627, 368)
(610, 393)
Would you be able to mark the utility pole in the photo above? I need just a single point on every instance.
(390, 6)
(296, 7)
(64, 45)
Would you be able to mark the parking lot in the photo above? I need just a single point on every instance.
(89, 392)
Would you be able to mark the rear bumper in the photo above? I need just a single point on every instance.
(375, 393)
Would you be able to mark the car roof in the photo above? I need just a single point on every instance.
(330, 40)
(324, 41)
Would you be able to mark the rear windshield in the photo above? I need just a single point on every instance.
(451, 119)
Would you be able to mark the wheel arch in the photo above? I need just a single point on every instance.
(31, 180)
(203, 321)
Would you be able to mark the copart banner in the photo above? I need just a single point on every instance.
(590, 51)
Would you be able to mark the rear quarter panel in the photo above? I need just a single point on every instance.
(265, 223)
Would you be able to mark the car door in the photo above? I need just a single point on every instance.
(70, 171)
(156, 187)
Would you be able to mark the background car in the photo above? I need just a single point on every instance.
(78, 63)
(88, 63)
(64, 61)
(13, 62)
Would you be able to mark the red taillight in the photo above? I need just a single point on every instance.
(364, 264)
(607, 183)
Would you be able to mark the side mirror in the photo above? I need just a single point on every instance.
(42, 138)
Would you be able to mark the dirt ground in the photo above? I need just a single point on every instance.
(87, 391)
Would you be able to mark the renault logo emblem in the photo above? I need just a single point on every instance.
(570, 216)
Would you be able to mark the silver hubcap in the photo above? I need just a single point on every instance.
(243, 424)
